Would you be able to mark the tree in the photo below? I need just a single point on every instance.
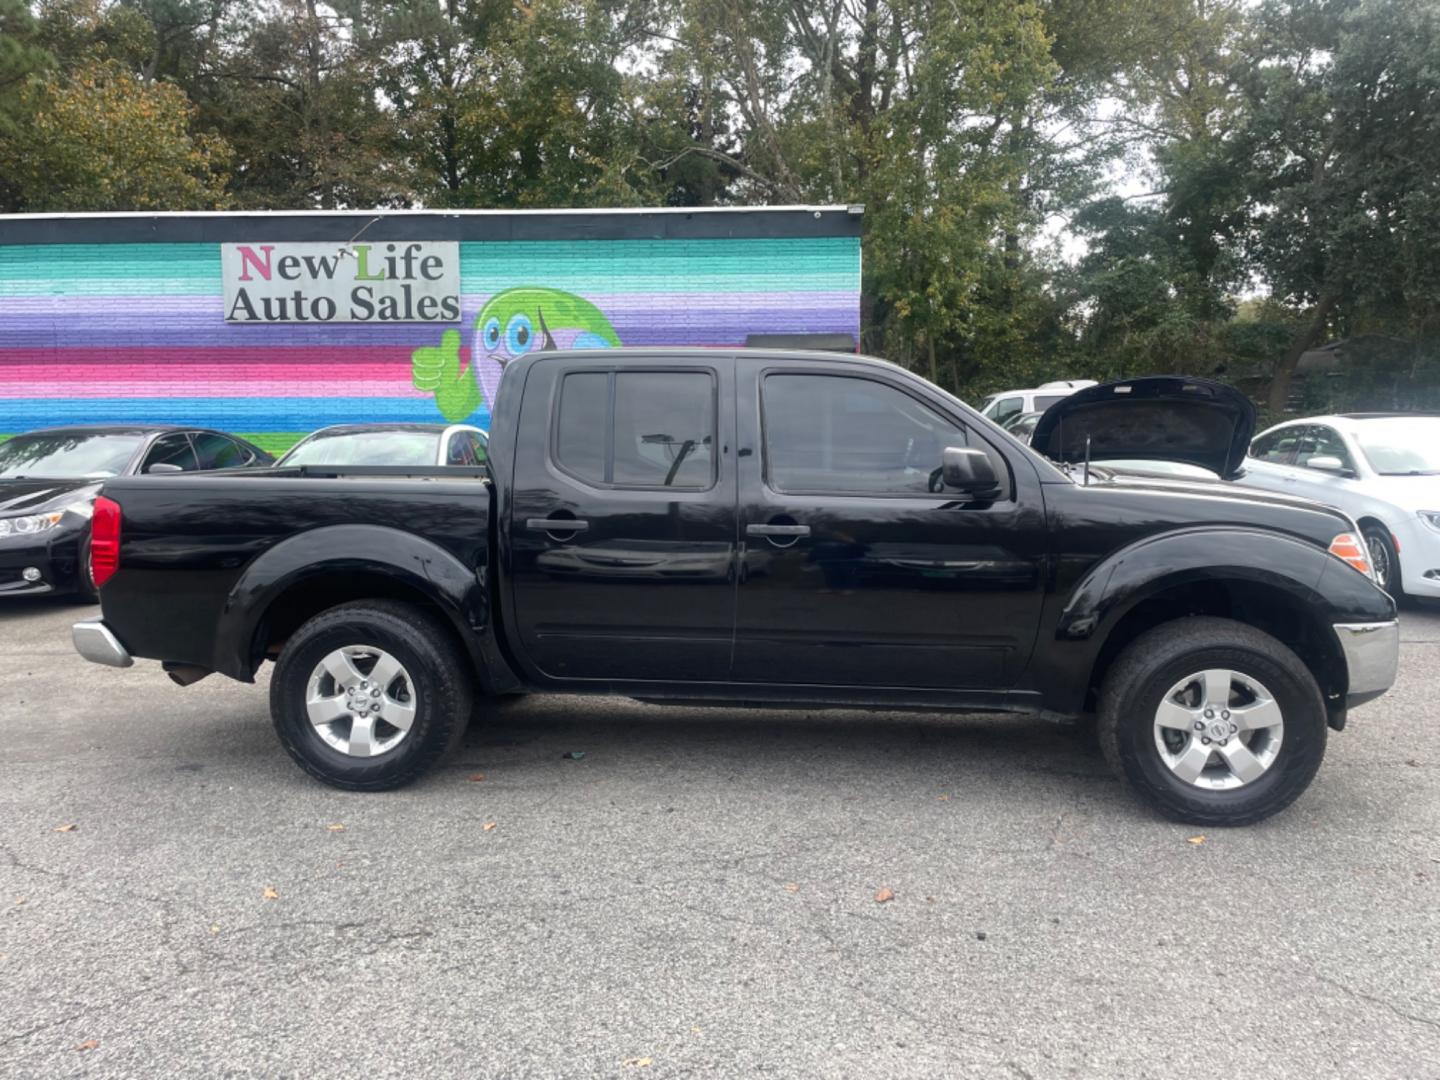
(100, 139)
(1344, 145)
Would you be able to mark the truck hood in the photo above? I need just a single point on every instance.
(1156, 418)
(40, 495)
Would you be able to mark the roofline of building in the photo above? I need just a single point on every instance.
(344, 226)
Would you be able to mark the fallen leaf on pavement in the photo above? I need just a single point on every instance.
(270, 893)
(214, 929)
(66, 828)
(488, 826)
(1195, 840)
(637, 1063)
(792, 887)
(942, 798)
(476, 778)
(88, 1044)
(577, 755)
(337, 827)
(884, 896)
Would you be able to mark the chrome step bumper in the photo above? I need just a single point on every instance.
(94, 641)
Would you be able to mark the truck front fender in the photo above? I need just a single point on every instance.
(353, 553)
(1250, 566)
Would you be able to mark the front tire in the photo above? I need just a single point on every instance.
(369, 696)
(1212, 722)
(1384, 559)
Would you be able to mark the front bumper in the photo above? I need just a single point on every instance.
(1372, 657)
(94, 641)
(57, 558)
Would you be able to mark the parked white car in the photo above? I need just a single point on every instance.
(1383, 469)
(1001, 407)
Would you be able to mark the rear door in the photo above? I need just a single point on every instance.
(859, 568)
(622, 521)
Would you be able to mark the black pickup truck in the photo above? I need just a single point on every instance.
(755, 527)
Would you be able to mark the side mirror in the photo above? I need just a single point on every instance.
(163, 467)
(1327, 463)
(969, 470)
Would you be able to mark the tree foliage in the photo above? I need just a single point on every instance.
(1052, 187)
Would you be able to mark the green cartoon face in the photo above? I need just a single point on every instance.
(523, 320)
(513, 323)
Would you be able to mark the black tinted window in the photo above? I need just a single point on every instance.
(829, 433)
(581, 433)
(218, 452)
(171, 450)
(461, 450)
(661, 432)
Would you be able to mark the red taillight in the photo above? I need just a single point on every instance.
(1351, 550)
(104, 540)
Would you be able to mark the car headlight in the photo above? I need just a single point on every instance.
(30, 524)
(1430, 517)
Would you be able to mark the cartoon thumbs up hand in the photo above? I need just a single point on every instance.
(436, 368)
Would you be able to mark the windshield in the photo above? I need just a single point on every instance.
(71, 456)
(1405, 446)
(366, 448)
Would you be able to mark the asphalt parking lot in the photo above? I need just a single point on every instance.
(695, 895)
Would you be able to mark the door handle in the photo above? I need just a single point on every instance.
(777, 530)
(555, 525)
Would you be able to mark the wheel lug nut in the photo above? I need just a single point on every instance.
(1206, 740)
(1209, 714)
(375, 692)
(1233, 729)
(1225, 714)
(1199, 726)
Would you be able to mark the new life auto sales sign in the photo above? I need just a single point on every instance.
(371, 282)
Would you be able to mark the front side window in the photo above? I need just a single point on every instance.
(653, 429)
(172, 450)
(1278, 447)
(1323, 441)
(461, 450)
(834, 434)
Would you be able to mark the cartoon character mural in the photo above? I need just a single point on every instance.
(512, 323)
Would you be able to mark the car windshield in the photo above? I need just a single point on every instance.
(1404, 446)
(366, 448)
(78, 454)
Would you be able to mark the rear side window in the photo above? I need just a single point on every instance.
(835, 434)
(649, 429)
(1044, 401)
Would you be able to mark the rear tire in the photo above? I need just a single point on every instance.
(351, 734)
(1166, 713)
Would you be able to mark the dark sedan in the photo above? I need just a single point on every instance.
(49, 480)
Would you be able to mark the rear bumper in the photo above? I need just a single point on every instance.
(94, 641)
(1372, 657)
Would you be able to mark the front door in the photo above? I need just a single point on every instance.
(622, 522)
(858, 568)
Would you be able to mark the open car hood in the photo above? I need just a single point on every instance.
(1155, 418)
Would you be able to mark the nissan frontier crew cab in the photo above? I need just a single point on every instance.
(753, 526)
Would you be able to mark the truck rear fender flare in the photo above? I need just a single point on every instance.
(348, 555)
(1275, 575)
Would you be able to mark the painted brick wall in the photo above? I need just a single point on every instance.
(135, 332)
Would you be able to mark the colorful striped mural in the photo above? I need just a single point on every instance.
(135, 331)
